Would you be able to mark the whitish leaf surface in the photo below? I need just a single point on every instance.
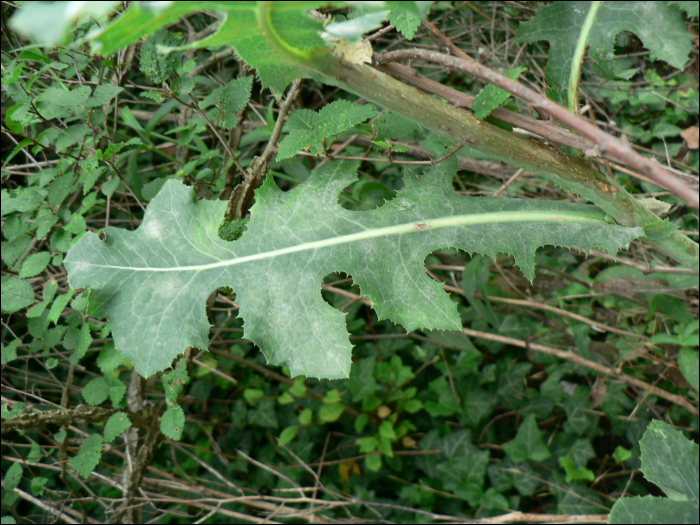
(153, 282)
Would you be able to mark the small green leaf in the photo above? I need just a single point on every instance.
(173, 422)
(575, 473)
(361, 422)
(37, 486)
(77, 224)
(59, 305)
(15, 125)
(373, 463)
(528, 443)
(370, 403)
(155, 64)
(116, 425)
(688, 363)
(95, 392)
(305, 416)
(13, 476)
(16, 294)
(35, 264)
(109, 358)
(492, 96)
(621, 454)
(367, 444)
(386, 431)
(103, 94)
(152, 95)
(298, 389)
(251, 394)
(285, 399)
(72, 99)
(9, 352)
(332, 396)
(385, 448)
(78, 340)
(308, 130)
(412, 406)
(288, 434)
(116, 389)
(49, 293)
(88, 457)
(331, 412)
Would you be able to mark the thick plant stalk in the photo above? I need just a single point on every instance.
(573, 173)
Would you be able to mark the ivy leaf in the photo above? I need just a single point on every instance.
(528, 443)
(153, 283)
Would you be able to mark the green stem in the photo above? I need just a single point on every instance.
(578, 57)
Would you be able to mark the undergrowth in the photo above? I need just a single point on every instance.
(537, 406)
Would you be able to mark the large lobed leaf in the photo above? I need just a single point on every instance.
(153, 282)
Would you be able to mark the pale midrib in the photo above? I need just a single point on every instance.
(430, 224)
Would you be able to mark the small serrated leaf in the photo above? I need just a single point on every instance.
(117, 424)
(156, 65)
(89, 457)
(492, 96)
(16, 294)
(95, 392)
(173, 422)
(308, 130)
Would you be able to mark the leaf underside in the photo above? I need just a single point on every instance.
(153, 282)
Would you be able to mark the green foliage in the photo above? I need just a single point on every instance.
(156, 65)
(116, 425)
(492, 96)
(89, 456)
(311, 131)
(670, 461)
(660, 25)
(463, 425)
